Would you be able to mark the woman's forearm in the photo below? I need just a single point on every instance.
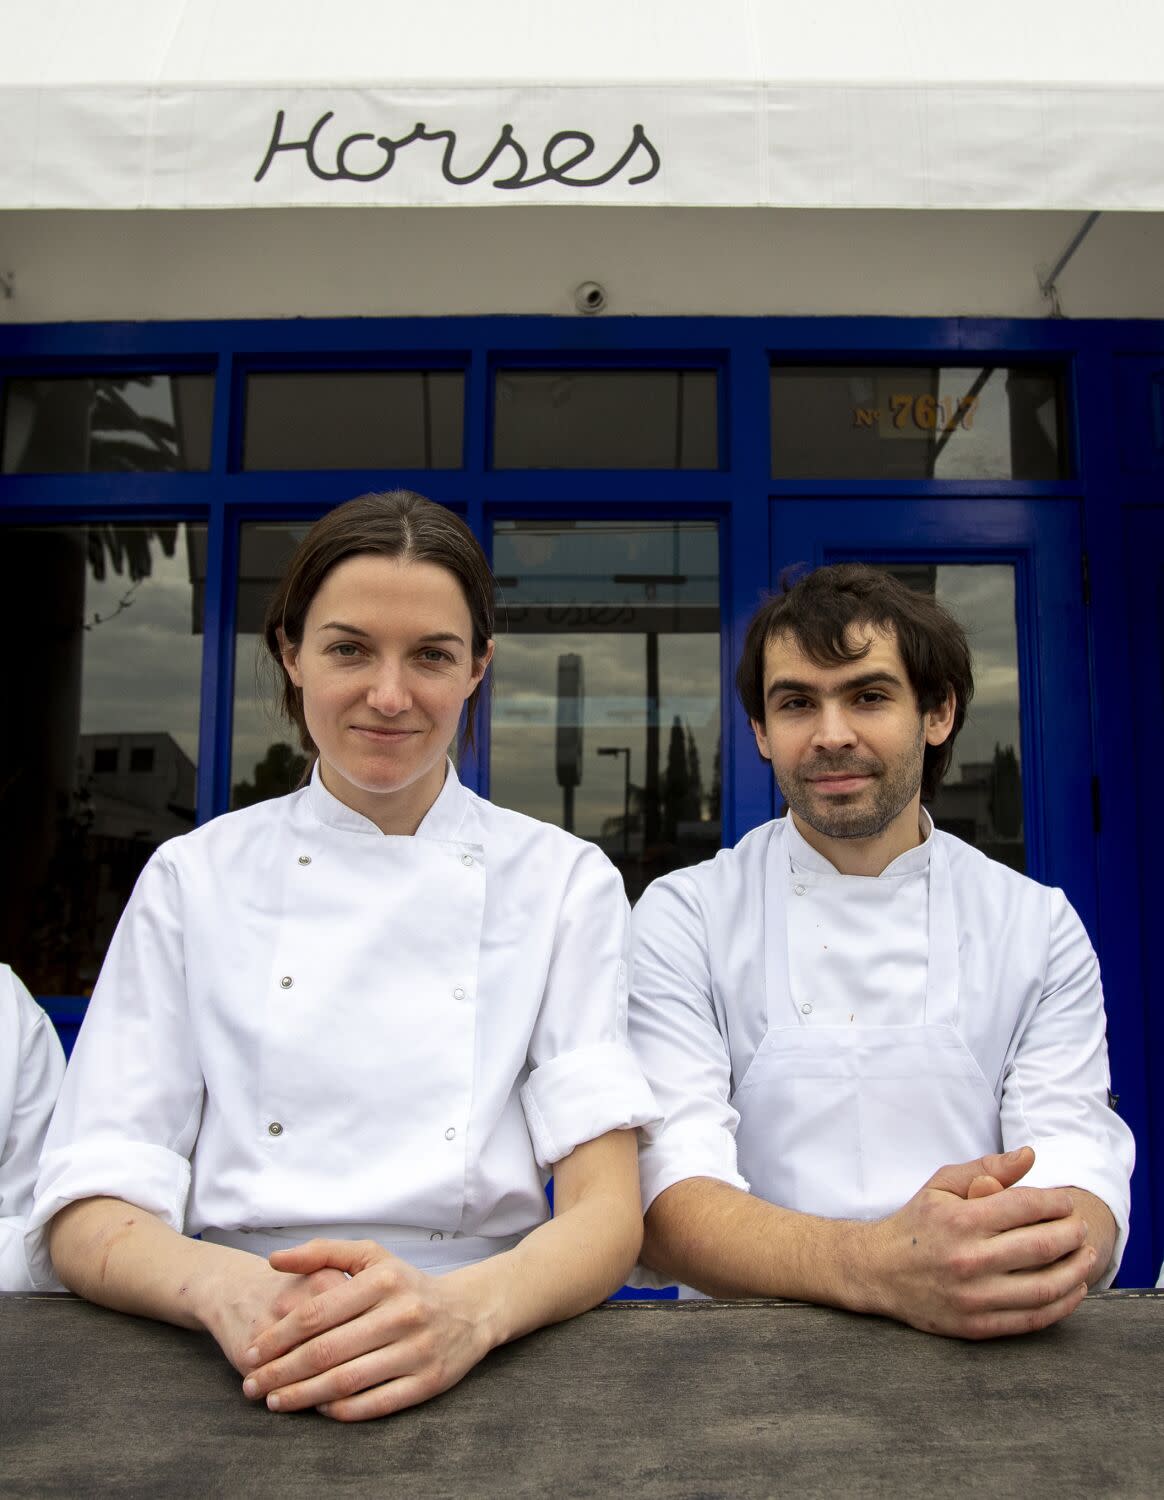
(585, 1252)
(121, 1256)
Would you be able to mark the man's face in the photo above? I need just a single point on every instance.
(846, 742)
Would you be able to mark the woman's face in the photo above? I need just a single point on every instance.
(385, 667)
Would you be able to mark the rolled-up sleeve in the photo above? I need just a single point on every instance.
(1055, 1088)
(584, 1079)
(32, 1065)
(675, 1034)
(131, 1103)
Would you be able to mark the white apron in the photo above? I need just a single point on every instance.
(850, 1121)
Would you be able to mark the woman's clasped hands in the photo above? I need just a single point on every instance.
(385, 1337)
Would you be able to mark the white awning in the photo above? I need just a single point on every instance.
(993, 104)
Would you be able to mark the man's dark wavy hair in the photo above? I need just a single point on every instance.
(817, 609)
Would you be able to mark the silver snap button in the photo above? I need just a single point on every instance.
(799, 889)
(450, 1133)
(305, 859)
(466, 859)
(458, 993)
(806, 1009)
(286, 982)
(274, 1128)
(436, 1235)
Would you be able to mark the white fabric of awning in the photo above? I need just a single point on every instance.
(991, 104)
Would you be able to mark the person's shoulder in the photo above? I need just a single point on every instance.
(230, 833)
(511, 833)
(973, 869)
(721, 878)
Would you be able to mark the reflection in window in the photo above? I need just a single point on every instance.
(108, 424)
(606, 692)
(981, 797)
(99, 764)
(605, 419)
(265, 758)
(917, 423)
(354, 419)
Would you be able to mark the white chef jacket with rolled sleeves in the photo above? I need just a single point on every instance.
(32, 1064)
(305, 1026)
(768, 939)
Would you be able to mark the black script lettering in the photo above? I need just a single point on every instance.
(505, 142)
(554, 169)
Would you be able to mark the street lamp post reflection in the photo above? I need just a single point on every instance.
(622, 750)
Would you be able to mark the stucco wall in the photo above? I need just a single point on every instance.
(425, 262)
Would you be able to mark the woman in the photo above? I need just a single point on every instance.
(370, 1016)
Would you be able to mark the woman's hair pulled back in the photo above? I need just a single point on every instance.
(398, 524)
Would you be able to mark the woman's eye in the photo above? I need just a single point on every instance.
(435, 656)
(344, 649)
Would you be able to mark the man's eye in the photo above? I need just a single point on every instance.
(872, 695)
(792, 704)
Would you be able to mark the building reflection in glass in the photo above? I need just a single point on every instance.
(637, 603)
(98, 766)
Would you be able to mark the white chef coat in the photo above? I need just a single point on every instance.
(716, 977)
(305, 1026)
(32, 1064)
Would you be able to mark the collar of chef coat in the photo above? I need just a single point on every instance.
(444, 819)
(804, 857)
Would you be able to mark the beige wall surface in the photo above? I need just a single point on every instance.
(84, 266)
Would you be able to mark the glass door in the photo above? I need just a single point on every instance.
(605, 714)
(1020, 784)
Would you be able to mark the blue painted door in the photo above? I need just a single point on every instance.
(1144, 1108)
(1035, 549)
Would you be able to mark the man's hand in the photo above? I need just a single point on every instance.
(973, 1255)
(386, 1338)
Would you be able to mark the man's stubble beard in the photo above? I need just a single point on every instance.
(855, 816)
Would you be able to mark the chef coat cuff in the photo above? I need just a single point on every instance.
(144, 1174)
(14, 1275)
(580, 1095)
(678, 1152)
(1065, 1163)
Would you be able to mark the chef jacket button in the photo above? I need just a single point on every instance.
(799, 889)
(305, 859)
(458, 993)
(806, 1009)
(286, 982)
(450, 1133)
(436, 1235)
(274, 1128)
(466, 859)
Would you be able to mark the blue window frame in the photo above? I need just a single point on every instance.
(1114, 375)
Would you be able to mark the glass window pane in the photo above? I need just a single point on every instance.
(355, 419)
(605, 419)
(866, 422)
(107, 424)
(99, 761)
(266, 760)
(605, 713)
(981, 798)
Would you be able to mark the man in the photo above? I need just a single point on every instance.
(865, 1021)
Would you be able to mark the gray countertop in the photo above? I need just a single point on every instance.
(645, 1399)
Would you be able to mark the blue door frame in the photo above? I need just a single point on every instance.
(1114, 375)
